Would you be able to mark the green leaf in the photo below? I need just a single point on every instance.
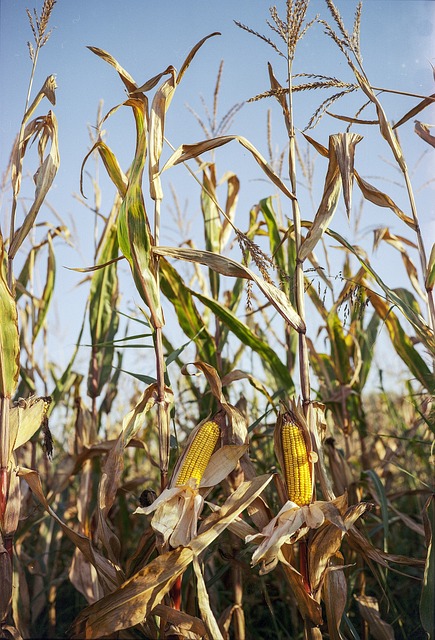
(103, 317)
(269, 357)
(189, 318)
(47, 294)
(9, 336)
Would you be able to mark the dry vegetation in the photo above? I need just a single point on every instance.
(110, 536)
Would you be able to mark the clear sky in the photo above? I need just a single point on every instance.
(398, 46)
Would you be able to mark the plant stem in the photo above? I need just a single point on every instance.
(162, 411)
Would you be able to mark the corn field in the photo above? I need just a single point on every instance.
(252, 476)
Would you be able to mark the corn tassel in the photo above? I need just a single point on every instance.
(199, 452)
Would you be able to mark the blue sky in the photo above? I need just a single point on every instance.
(398, 45)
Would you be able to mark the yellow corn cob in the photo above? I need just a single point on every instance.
(199, 453)
(296, 464)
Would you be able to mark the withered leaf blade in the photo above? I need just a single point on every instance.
(135, 599)
(328, 205)
(335, 595)
(228, 267)
(43, 178)
(188, 151)
(192, 54)
(381, 199)
(413, 112)
(123, 74)
(344, 146)
(369, 610)
(109, 575)
(423, 131)
(204, 604)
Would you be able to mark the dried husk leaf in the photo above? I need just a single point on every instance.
(237, 431)
(323, 545)
(112, 471)
(204, 604)
(222, 462)
(369, 609)
(328, 205)
(228, 267)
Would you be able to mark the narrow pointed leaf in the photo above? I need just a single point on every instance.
(344, 147)
(328, 205)
(372, 194)
(43, 178)
(47, 294)
(229, 267)
(9, 337)
(413, 112)
(123, 74)
(189, 151)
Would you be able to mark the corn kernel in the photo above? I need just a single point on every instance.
(296, 464)
(199, 453)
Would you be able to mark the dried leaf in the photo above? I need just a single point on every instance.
(335, 596)
(43, 178)
(109, 575)
(123, 74)
(228, 267)
(25, 419)
(413, 112)
(204, 604)
(423, 131)
(188, 151)
(344, 147)
(384, 125)
(381, 199)
(111, 164)
(328, 205)
(369, 610)
(135, 599)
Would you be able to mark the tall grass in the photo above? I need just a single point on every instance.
(105, 540)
